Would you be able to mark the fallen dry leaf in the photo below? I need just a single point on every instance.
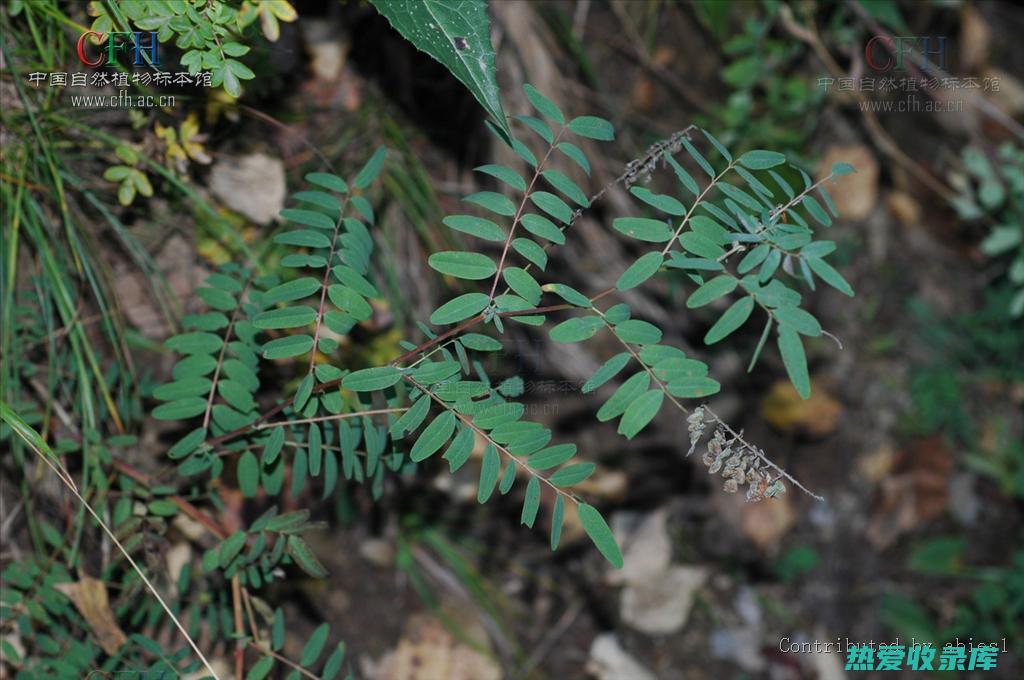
(90, 598)
(814, 417)
(917, 493)
(252, 185)
(765, 523)
(428, 651)
(856, 194)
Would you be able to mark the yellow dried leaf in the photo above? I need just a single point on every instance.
(90, 599)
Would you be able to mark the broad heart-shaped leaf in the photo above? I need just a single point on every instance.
(640, 412)
(457, 34)
(641, 270)
(460, 308)
(370, 379)
(463, 265)
(793, 357)
(598, 531)
(731, 319)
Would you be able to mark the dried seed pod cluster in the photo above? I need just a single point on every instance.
(737, 462)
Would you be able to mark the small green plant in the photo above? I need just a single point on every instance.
(321, 418)
(994, 187)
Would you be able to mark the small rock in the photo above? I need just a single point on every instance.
(647, 549)
(253, 185)
(739, 645)
(609, 661)
(661, 605)
(377, 551)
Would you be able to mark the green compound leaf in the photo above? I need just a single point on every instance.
(308, 218)
(531, 251)
(640, 412)
(552, 205)
(801, 321)
(829, 275)
(371, 379)
(304, 237)
(505, 174)
(433, 437)
(475, 226)
(328, 181)
(460, 308)
(761, 160)
(576, 329)
(488, 473)
(593, 127)
(531, 502)
(598, 531)
(637, 332)
(372, 169)
(641, 270)
(188, 443)
(544, 106)
(795, 361)
(315, 645)
(553, 456)
(291, 346)
(194, 343)
(572, 474)
(457, 34)
(304, 557)
(693, 387)
(561, 182)
(734, 317)
(575, 154)
(292, 290)
(557, 519)
(624, 396)
(463, 265)
(248, 474)
(643, 229)
(180, 409)
(711, 291)
(662, 202)
(607, 371)
(493, 201)
(542, 227)
(524, 285)
(289, 317)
